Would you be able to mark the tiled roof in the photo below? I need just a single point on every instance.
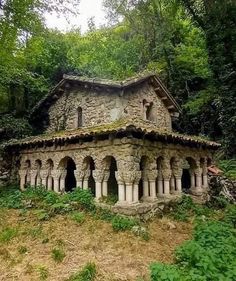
(144, 128)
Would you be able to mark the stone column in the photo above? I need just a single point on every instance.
(160, 185)
(38, 179)
(198, 173)
(152, 177)
(22, 174)
(172, 184)
(86, 178)
(136, 187)
(129, 177)
(79, 175)
(50, 183)
(192, 179)
(104, 183)
(204, 177)
(98, 177)
(56, 180)
(145, 185)
(121, 187)
(178, 180)
(44, 174)
(166, 176)
(62, 180)
(33, 175)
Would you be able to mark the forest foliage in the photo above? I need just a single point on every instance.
(189, 43)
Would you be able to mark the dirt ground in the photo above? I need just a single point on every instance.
(118, 256)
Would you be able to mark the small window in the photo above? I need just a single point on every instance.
(148, 110)
(79, 117)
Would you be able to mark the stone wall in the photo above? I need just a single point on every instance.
(5, 169)
(101, 106)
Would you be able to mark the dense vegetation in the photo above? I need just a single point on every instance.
(189, 43)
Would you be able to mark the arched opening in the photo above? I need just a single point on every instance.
(112, 186)
(90, 165)
(142, 166)
(69, 184)
(79, 117)
(173, 165)
(188, 177)
(49, 180)
(148, 110)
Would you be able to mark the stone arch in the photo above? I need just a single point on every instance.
(67, 178)
(88, 165)
(174, 167)
(109, 185)
(188, 178)
(27, 167)
(79, 117)
(148, 110)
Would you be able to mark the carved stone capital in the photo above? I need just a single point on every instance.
(129, 176)
(87, 174)
(56, 174)
(33, 173)
(79, 175)
(44, 174)
(22, 173)
(138, 175)
(166, 173)
(198, 171)
(106, 175)
(152, 175)
(178, 172)
(119, 177)
(63, 174)
(98, 175)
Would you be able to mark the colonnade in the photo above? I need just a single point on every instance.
(162, 180)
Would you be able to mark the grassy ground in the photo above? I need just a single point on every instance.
(26, 246)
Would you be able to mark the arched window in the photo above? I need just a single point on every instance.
(148, 110)
(79, 117)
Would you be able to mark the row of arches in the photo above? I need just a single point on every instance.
(155, 179)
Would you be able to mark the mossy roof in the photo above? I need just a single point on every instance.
(145, 129)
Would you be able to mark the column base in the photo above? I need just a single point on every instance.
(149, 199)
(126, 203)
(196, 191)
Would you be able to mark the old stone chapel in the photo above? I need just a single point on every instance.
(114, 138)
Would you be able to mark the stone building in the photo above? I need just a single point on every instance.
(114, 138)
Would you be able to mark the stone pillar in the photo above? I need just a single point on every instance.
(86, 178)
(49, 183)
(152, 177)
(104, 183)
(79, 175)
(62, 181)
(33, 175)
(172, 184)
(136, 187)
(192, 179)
(204, 177)
(145, 185)
(98, 177)
(160, 185)
(22, 174)
(166, 175)
(38, 179)
(56, 180)
(44, 174)
(178, 180)
(198, 173)
(129, 192)
(121, 187)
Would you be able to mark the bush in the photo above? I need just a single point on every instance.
(120, 223)
(58, 254)
(211, 255)
(8, 234)
(88, 273)
(83, 197)
(78, 217)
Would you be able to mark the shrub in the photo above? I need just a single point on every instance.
(11, 197)
(22, 250)
(43, 272)
(104, 214)
(8, 234)
(83, 197)
(209, 256)
(78, 217)
(58, 254)
(88, 273)
(120, 223)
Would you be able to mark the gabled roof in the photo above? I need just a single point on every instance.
(159, 87)
(137, 128)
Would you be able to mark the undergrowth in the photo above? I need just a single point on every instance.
(211, 254)
(88, 273)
